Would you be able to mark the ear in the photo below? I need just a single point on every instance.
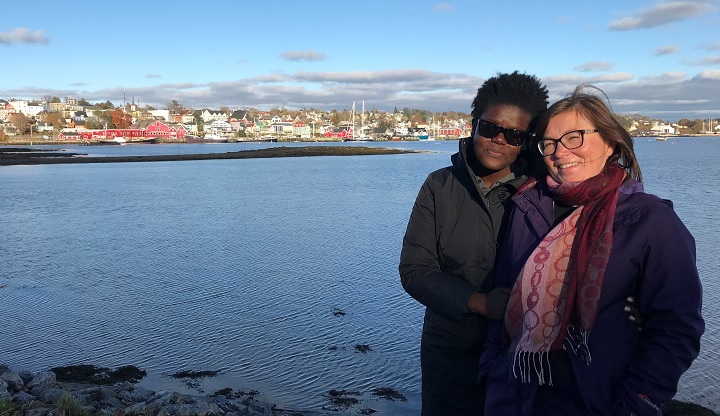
(611, 149)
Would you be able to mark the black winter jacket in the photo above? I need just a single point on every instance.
(452, 237)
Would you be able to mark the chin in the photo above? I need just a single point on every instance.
(494, 164)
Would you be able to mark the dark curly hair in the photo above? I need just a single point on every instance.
(518, 90)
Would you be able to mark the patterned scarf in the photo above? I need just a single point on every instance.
(554, 300)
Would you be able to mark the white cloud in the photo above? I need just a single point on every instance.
(663, 13)
(709, 74)
(308, 56)
(666, 50)
(443, 7)
(23, 35)
(710, 60)
(616, 77)
(670, 95)
(593, 66)
(667, 77)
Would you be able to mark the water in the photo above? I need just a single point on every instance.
(270, 271)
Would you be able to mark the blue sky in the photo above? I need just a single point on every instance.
(656, 58)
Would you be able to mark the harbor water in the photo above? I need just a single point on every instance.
(280, 274)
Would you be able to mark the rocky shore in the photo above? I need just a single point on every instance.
(28, 156)
(91, 390)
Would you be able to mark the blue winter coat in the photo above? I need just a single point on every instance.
(652, 259)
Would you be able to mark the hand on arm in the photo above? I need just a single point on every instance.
(492, 304)
(633, 312)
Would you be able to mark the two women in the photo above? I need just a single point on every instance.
(579, 243)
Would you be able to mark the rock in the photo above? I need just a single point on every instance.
(12, 381)
(678, 408)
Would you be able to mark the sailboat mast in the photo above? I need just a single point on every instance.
(353, 120)
(362, 118)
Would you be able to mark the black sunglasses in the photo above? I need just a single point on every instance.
(513, 137)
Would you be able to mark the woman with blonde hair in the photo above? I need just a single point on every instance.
(579, 243)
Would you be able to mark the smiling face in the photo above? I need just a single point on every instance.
(494, 154)
(581, 163)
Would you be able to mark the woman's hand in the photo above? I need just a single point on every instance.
(492, 304)
(633, 312)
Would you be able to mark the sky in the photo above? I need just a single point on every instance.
(654, 58)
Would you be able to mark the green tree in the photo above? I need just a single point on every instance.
(94, 123)
(697, 126)
(197, 118)
(83, 102)
(107, 105)
(106, 118)
(626, 122)
(50, 99)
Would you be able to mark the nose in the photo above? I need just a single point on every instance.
(499, 139)
(560, 150)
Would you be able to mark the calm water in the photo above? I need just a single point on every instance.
(244, 266)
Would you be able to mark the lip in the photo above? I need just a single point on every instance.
(566, 165)
(494, 152)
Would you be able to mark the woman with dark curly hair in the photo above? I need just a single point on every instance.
(448, 255)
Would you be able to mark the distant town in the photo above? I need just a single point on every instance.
(77, 120)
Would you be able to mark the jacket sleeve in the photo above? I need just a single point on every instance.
(670, 302)
(420, 269)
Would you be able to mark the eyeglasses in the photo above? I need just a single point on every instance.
(571, 140)
(513, 137)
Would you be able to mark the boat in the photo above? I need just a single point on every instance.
(114, 140)
(214, 138)
(147, 140)
(420, 134)
(362, 137)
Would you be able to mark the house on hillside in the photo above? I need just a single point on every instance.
(209, 116)
(662, 129)
(219, 127)
(42, 127)
(238, 119)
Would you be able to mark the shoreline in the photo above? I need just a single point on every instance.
(10, 156)
(89, 389)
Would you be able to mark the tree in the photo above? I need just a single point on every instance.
(175, 107)
(121, 119)
(54, 118)
(626, 122)
(83, 102)
(106, 118)
(107, 105)
(94, 123)
(20, 121)
(50, 99)
(197, 117)
(697, 126)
